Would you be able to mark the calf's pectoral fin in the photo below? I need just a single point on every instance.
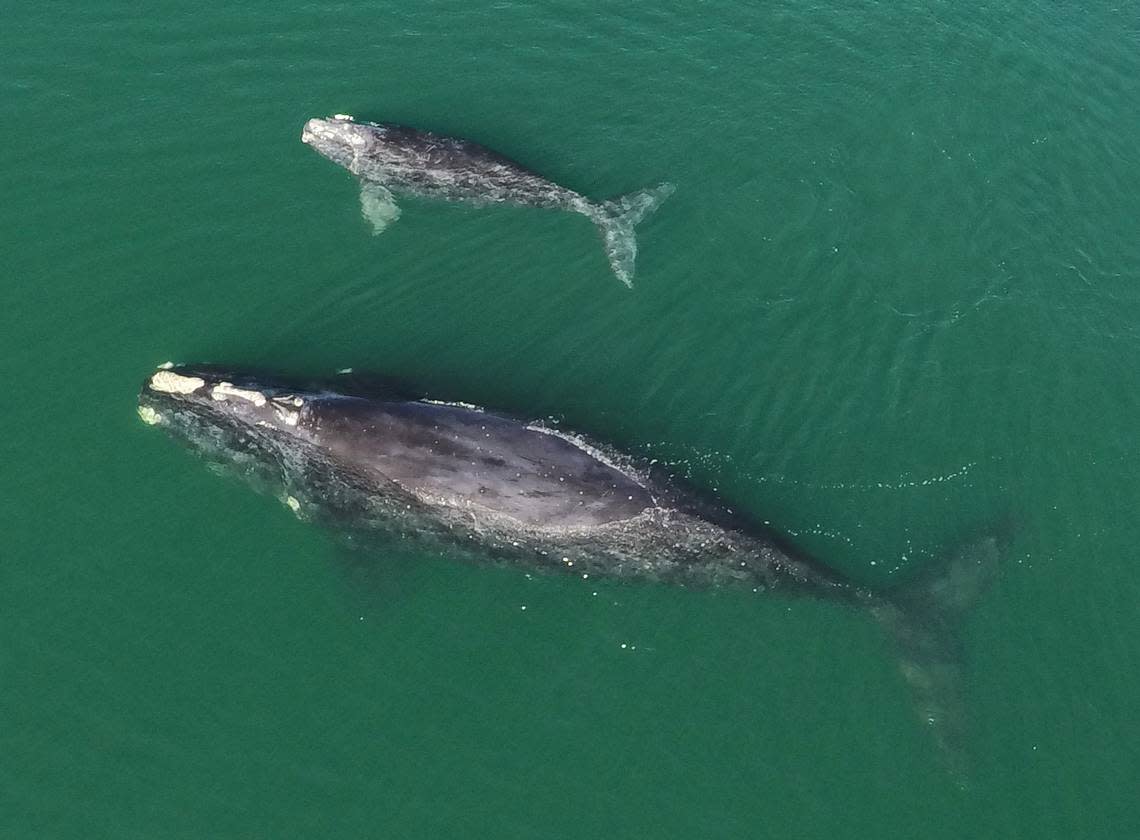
(378, 206)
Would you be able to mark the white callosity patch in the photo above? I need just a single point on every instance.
(289, 418)
(149, 416)
(281, 407)
(170, 382)
(224, 390)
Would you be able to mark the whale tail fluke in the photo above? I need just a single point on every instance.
(616, 219)
(924, 618)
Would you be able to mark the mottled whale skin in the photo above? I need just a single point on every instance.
(522, 491)
(390, 158)
(484, 485)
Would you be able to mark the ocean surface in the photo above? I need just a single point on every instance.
(895, 298)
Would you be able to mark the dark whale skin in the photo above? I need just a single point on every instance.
(482, 486)
(395, 159)
(453, 472)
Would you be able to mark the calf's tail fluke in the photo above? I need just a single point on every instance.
(616, 219)
(924, 618)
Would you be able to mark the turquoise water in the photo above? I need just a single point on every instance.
(893, 298)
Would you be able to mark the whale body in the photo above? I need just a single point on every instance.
(483, 485)
(389, 158)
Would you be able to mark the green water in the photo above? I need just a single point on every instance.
(894, 298)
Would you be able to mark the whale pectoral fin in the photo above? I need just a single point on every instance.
(378, 206)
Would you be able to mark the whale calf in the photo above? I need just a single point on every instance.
(390, 158)
(485, 486)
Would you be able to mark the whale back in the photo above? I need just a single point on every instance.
(487, 464)
(432, 165)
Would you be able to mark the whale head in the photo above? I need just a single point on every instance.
(260, 429)
(339, 138)
(220, 396)
(228, 417)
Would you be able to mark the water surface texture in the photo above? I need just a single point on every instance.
(895, 297)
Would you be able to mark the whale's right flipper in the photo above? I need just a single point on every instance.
(924, 618)
(378, 206)
(615, 220)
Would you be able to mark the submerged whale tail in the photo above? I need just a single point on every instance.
(924, 619)
(615, 220)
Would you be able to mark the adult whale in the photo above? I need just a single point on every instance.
(487, 486)
(391, 158)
